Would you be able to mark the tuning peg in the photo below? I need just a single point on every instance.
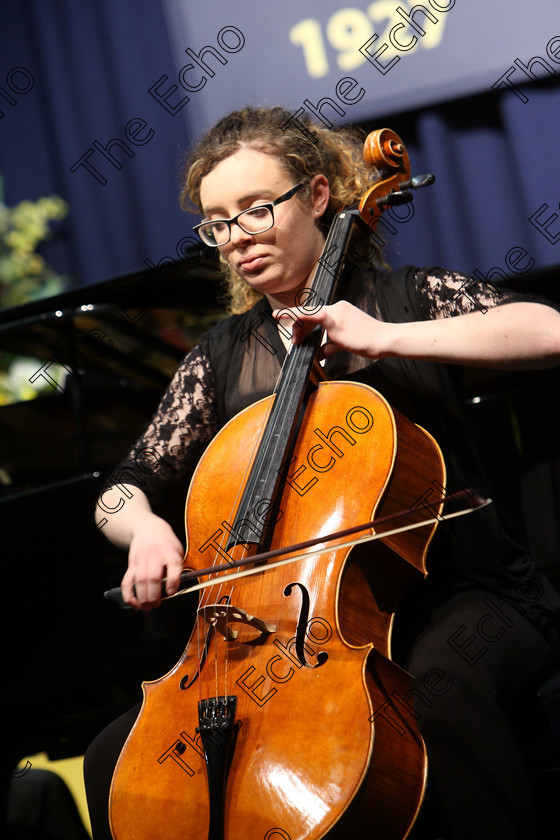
(418, 181)
(395, 197)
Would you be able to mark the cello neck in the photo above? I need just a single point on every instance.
(258, 509)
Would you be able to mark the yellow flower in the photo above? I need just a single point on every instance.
(35, 264)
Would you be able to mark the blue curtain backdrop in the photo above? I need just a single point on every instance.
(92, 62)
(496, 163)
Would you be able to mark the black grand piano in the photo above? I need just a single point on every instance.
(73, 661)
(103, 355)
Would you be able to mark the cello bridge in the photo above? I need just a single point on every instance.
(219, 616)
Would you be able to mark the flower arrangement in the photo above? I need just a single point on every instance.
(25, 276)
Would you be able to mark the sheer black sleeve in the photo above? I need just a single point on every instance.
(164, 457)
(443, 293)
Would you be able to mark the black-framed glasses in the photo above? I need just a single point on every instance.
(217, 232)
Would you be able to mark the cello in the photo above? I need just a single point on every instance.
(285, 718)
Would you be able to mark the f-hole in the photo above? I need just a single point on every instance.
(302, 627)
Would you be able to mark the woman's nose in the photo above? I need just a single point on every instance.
(238, 235)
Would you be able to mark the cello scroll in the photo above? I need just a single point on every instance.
(385, 150)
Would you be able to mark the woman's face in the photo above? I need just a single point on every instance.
(281, 261)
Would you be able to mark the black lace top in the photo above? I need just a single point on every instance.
(239, 361)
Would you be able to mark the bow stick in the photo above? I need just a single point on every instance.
(477, 502)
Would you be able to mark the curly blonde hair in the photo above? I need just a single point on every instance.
(335, 153)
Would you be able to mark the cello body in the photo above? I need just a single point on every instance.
(324, 740)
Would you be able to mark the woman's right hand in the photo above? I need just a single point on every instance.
(155, 553)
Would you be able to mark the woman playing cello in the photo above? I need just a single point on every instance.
(268, 194)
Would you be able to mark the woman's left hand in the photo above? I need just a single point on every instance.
(515, 336)
(347, 327)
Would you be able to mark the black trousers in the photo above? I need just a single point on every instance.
(475, 665)
(472, 662)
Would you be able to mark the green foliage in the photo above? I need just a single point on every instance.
(24, 274)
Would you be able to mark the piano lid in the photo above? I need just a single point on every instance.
(155, 286)
(127, 304)
(99, 357)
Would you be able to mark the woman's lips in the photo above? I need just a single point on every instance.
(252, 263)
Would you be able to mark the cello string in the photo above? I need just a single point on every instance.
(217, 641)
(214, 593)
(267, 473)
(256, 442)
(213, 596)
(198, 621)
(226, 659)
(209, 637)
(298, 366)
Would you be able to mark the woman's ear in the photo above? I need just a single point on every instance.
(320, 194)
